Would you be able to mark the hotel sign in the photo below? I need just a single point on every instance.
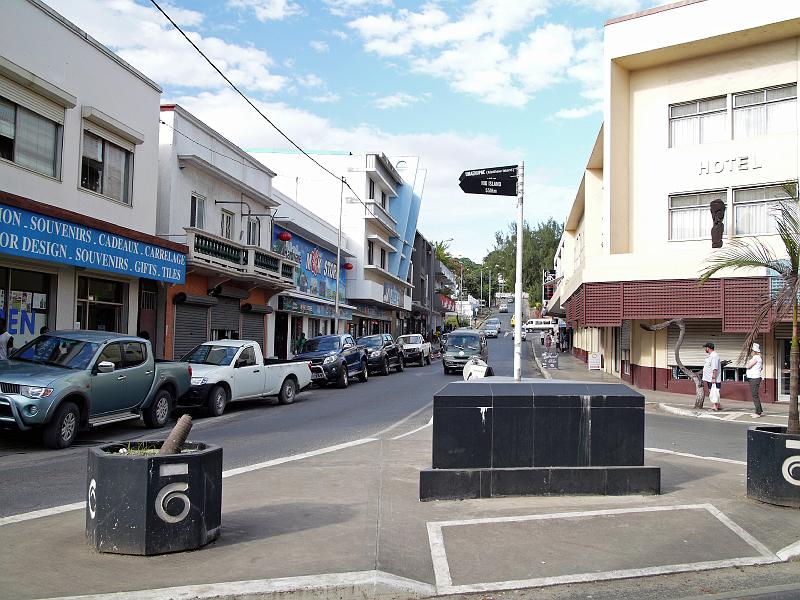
(31, 235)
(730, 165)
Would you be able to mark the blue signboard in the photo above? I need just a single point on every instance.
(316, 274)
(31, 235)
(313, 309)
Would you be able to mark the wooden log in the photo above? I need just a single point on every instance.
(177, 437)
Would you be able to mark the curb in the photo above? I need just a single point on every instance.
(544, 371)
(703, 414)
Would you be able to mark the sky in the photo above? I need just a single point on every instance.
(464, 84)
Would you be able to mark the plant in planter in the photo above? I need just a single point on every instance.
(773, 453)
(154, 497)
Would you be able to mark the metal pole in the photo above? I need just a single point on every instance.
(490, 288)
(338, 258)
(481, 287)
(518, 291)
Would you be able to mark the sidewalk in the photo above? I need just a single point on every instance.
(346, 522)
(574, 369)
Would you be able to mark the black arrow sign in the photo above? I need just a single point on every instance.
(509, 172)
(489, 186)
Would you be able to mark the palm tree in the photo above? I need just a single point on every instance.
(739, 254)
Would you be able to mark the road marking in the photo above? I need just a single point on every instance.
(45, 512)
(428, 424)
(687, 455)
(791, 551)
(367, 580)
(444, 584)
(404, 419)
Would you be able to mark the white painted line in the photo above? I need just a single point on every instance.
(294, 457)
(45, 512)
(37, 514)
(402, 435)
(687, 455)
(404, 419)
(341, 582)
(791, 551)
(445, 585)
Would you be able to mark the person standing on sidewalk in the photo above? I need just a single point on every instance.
(712, 375)
(6, 341)
(754, 368)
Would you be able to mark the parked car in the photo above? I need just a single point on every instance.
(504, 308)
(66, 381)
(494, 322)
(490, 331)
(415, 349)
(335, 359)
(383, 353)
(230, 370)
(461, 345)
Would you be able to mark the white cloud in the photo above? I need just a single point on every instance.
(397, 100)
(325, 98)
(340, 35)
(614, 7)
(319, 46)
(348, 7)
(479, 51)
(310, 80)
(268, 10)
(444, 207)
(142, 36)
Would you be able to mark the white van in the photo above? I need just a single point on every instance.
(538, 325)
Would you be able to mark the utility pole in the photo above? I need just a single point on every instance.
(518, 291)
(481, 286)
(338, 259)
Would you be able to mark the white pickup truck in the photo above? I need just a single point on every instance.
(229, 370)
(415, 349)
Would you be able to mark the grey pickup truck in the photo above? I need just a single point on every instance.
(65, 381)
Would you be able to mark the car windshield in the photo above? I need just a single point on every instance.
(493, 321)
(456, 341)
(208, 354)
(322, 344)
(58, 352)
(372, 341)
(410, 339)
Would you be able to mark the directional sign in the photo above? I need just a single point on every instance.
(500, 181)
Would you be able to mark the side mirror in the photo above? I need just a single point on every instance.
(105, 367)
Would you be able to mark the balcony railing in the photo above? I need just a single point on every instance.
(247, 262)
(375, 211)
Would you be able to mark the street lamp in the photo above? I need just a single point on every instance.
(490, 284)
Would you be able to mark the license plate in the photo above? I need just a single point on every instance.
(318, 376)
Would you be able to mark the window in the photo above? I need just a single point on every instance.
(765, 112)
(383, 199)
(247, 358)
(754, 208)
(100, 304)
(198, 212)
(135, 354)
(690, 215)
(29, 140)
(226, 225)
(370, 253)
(113, 354)
(383, 258)
(698, 122)
(253, 232)
(105, 168)
(371, 189)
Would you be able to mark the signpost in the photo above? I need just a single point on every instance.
(504, 181)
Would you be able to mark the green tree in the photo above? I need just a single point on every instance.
(739, 254)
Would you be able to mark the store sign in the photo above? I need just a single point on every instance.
(374, 311)
(317, 272)
(312, 309)
(390, 294)
(736, 163)
(595, 361)
(448, 304)
(31, 235)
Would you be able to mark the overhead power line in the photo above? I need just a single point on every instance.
(258, 110)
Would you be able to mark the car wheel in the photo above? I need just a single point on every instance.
(61, 431)
(385, 367)
(364, 375)
(344, 379)
(288, 391)
(217, 400)
(428, 359)
(400, 364)
(157, 414)
(446, 371)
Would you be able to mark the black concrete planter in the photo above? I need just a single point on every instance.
(153, 504)
(773, 466)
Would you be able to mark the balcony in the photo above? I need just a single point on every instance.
(379, 165)
(380, 216)
(220, 256)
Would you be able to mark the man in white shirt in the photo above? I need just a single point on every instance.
(712, 375)
(6, 341)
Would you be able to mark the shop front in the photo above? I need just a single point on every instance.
(63, 270)
(298, 315)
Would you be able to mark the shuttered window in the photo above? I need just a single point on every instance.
(29, 139)
(727, 345)
(106, 167)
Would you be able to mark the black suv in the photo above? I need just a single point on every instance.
(383, 353)
(335, 359)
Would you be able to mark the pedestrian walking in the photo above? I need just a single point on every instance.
(6, 341)
(712, 375)
(548, 341)
(754, 369)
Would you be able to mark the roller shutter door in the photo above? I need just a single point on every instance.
(225, 314)
(727, 345)
(191, 328)
(625, 336)
(253, 328)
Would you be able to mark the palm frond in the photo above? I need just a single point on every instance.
(739, 254)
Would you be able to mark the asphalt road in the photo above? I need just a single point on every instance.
(33, 478)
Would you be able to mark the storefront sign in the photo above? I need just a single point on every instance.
(317, 272)
(595, 361)
(550, 360)
(312, 309)
(31, 235)
(390, 294)
(736, 163)
(447, 303)
(374, 312)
